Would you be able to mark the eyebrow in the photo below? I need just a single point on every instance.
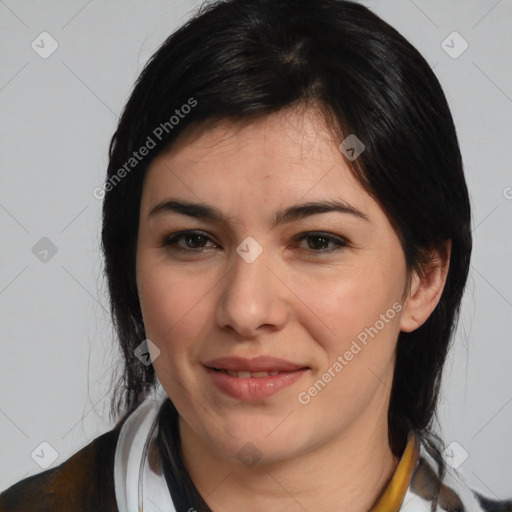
(290, 214)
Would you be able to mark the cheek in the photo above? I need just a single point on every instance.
(173, 308)
(344, 307)
(357, 334)
(356, 317)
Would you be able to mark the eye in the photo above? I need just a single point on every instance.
(319, 242)
(194, 241)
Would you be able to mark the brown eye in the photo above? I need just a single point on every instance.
(323, 243)
(192, 241)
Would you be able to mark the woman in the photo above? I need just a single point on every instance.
(286, 231)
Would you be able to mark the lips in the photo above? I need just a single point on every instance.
(250, 388)
(243, 374)
(253, 379)
(255, 366)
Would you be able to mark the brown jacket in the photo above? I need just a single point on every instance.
(85, 483)
(69, 486)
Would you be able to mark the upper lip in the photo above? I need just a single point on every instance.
(260, 363)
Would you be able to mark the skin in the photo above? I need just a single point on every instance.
(291, 302)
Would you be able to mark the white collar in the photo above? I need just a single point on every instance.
(138, 488)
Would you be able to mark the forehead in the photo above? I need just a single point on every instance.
(285, 156)
(289, 134)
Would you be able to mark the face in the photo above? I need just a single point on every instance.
(262, 269)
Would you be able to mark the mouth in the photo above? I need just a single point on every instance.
(260, 366)
(244, 374)
(253, 379)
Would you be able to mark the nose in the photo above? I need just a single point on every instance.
(253, 298)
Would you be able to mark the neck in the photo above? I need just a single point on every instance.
(348, 473)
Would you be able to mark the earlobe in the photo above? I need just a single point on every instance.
(425, 289)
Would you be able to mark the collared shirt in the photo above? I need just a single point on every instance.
(121, 471)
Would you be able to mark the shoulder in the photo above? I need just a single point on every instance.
(451, 492)
(491, 505)
(83, 482)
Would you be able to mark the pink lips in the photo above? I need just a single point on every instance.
(253, 388)
(256, 364)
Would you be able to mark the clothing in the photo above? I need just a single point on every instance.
(121, 471)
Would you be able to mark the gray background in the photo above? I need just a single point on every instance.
(57, 117)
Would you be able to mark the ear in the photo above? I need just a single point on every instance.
(425, 289)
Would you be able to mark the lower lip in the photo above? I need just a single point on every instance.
(253, 388)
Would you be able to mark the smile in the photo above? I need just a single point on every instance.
(242, 374)
(246, 385)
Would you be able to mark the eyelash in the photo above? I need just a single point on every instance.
(170, 241)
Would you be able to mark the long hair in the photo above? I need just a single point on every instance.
(243, 59)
